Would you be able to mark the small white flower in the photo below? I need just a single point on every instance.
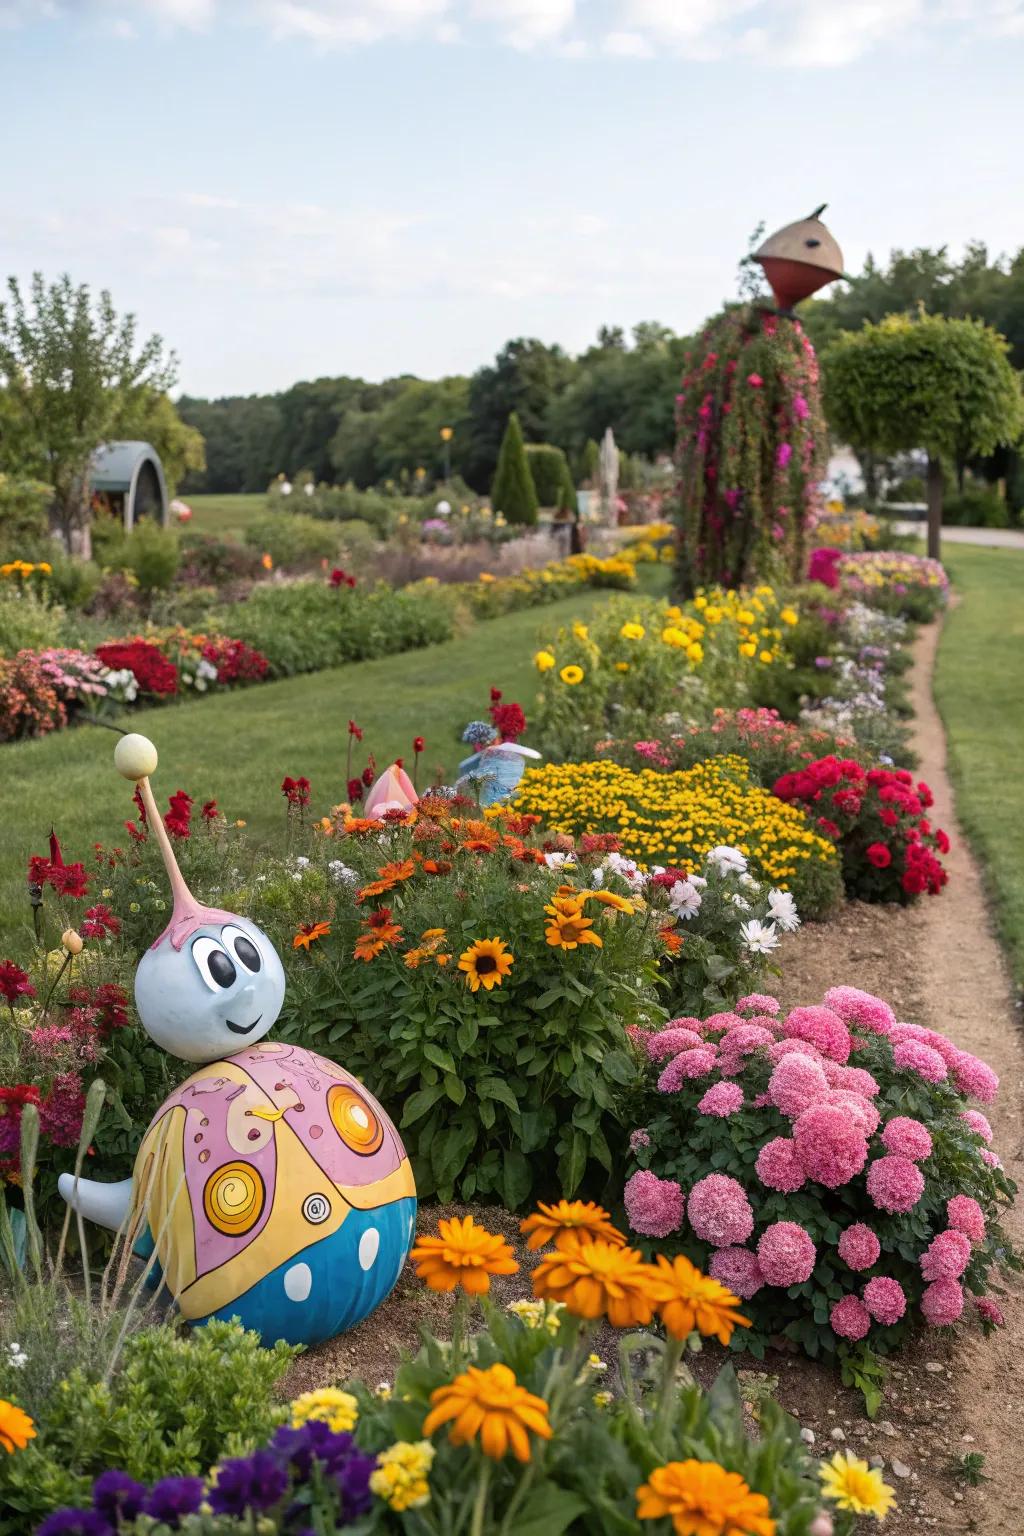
(727, 860)
(783, 911)
(201, 684)
(206, 669)
(739, 901)
(684, 899)
(597, 876)
(558, 860)
(759, 938)
(301, 861)
(341, 874)
(16, 1357)
(699, 882)
(748, 882)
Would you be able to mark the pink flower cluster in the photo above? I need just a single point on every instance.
(654, 1206)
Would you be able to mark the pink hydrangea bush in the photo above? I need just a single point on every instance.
(834, 1168)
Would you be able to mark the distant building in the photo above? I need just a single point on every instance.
(127, 481)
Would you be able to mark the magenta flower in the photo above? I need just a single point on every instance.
(786, 1253)
(850, 1318)
(967, 1216)
(947, 1256)
(778, 1166)
(654, 1206)
(907, 1138)
(942, 1303)
(860, 1009)
(721, 1099)
(885, 1300)
(796, 1084)
(719, 1210)
(859, 1247)
(830, 1145)
(895, 1183)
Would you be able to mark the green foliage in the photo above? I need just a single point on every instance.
(154, 419)
(293, 540)
(590, 461)
(22, 515)
(976, 506)
(513, 491)
(70, 371)
(26, 621)
(946, 386)
(526, 378)
(72, 582)
(969, 1467)
(153, 556)
(552, 481)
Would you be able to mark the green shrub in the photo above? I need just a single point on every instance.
(551, 478)
(293, 540)
(23, 530)
(26, 622)
(73, 582)
(513, 491)
(153, 556)
(976, 506)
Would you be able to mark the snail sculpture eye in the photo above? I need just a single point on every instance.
(354, 1120)
(243, 948)
(214, 963)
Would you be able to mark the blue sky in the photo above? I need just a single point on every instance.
(290, 188)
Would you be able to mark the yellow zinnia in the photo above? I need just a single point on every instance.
(338, 1410)
(672, 636)
(571, 675)
(543, 661)
(492, 1404)
(486, 963)
(851, 1484)
(632, 631)
(703, 1499)
(401, 1475)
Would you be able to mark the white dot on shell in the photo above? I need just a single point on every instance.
(360, 1116)
(298, 1282)
(369, 1243)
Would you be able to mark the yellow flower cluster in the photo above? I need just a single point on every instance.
(847, 528)
(402, 1472)
(338, 1410)
(491, 594)
(676, 818)
(21, 569)
(756, 616)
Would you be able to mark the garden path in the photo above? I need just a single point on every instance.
(940, 965)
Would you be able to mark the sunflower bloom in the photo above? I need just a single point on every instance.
(568, 928)
(486, 963)
(571, 675)
(492, 1404)
(689, 1300)
(703, 1499)
(309, 933)
(16, 1428)
(598, 1279)
(569, 1223)
(851, 1484)
(464, 1254)
(610, 899)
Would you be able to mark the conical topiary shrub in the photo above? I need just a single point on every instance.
(513, 491)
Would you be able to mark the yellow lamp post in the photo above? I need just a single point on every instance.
(447, 433)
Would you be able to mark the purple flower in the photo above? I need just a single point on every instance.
(801, 410)
(255, 1482)
(75, 1522)
(314, 1440)
(117, 1496)
(353, 1483)
(173, 1497)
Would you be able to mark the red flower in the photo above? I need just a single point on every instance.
(235, 661)
(599, 842)
(14, 982)
(755, 380)
(889, 818)
(495, 695)
(418, 745)
(355, 791)
(941, 840)
(179, 816)
(153, 672)
(210, 811)
(879, 855)
(354, 730)
(829, 828)
(12, 1101)
(509, 719)
(295, 791)
(66, 879)
(368, 776)
(99, 921)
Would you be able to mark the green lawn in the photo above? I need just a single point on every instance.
(226, 516)
(238, 746)
(979, 688)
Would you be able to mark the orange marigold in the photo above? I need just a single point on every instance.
(308, 934)
(688, 1299)
(464, 1254)
(672, 940)
(703, 1499)
(568, 1223)
(16, 1428)
(492, 1404)
(598, 1279)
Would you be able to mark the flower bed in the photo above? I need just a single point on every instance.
(770, 745)
(911, 585)
(678, 818)
(831, 1167)
(877, 817)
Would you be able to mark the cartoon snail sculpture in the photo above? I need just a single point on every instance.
(272, 1185)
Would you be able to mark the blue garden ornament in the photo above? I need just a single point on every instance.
(495, 769)
(271, 1184)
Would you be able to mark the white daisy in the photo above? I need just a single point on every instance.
(759, 938)
(727, 860)
(783, 911)
(684, 899)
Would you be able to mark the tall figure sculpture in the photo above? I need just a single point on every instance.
(751, 442)
(271, 1184)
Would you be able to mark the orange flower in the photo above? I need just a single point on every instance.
(308, 934)
(672, 940)
(703, 1499)
(568, 928)
(390, 876)
(610, 899)
(361, 825)
(464, 1254)
(368, 947)
(17, 1429)
(414, 958)
(436, 866)
(480, 837)
(569, 1223)
(492, 1404)
(379, 932)
(688, 1299)
(596, 1279)
(442, 959)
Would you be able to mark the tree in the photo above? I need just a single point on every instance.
(525, 378)
(945, 386)
(513, 491)
(552, 480)
(70, 370)
(154, 420)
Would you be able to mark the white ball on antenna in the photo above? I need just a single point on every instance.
(135, 757)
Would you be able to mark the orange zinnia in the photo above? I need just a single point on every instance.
(389, 876)
(368, 947)
(361, 825)
(17, 1429)
(464, 1254)
(569, 1223)
(308, 934)
(703, 1499)
(597, 1279)
(436, 866)
(492, 1404)
(568, 928)
(672, 941)
(688, 1299)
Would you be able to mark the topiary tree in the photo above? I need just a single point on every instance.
(590, 462)
(513, 491)
(551, 478)
(946, 386)
(751, 450)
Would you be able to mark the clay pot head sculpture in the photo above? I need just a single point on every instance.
(799, 259)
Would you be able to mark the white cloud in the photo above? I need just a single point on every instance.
(526, 23)
(627, 45)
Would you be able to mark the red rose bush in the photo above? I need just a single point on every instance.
(877, 817)
(826, 1164)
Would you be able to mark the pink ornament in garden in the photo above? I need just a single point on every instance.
(393, 791)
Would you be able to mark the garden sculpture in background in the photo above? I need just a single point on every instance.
(494, 770)
(271, 1184)
(609, 473)
(752, 445)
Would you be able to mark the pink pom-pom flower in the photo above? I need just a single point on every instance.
(975, 1077)
(860, 1009)
(947, 1256)
(688, 1065)
(795, 1084)
(859, 1247)
(759, 1002)
(978, 1123)
(915, 1056)
(654, 1206)
(966, 1216)
(669, 1042)
(830, 1145)
(722, 1099)
(907, 1138)
(738, 1269)
(942, 1303)
(885, 1300)
(719, 1210)
(786, 1253)
(850, 1318)
(778, 1166)
(822, 1028)
(895, 1183)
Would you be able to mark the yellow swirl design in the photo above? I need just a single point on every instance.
(233, 1198)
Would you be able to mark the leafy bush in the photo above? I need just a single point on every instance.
(73, 582)
(293, 540)
(976, 506)
(889, 847)
(483, 1007)
(842, 1202)
(153, 556)
(513, 492)
(551, 478)
(677, 819)
(207, 559)
(23, 506)
(27, 623)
